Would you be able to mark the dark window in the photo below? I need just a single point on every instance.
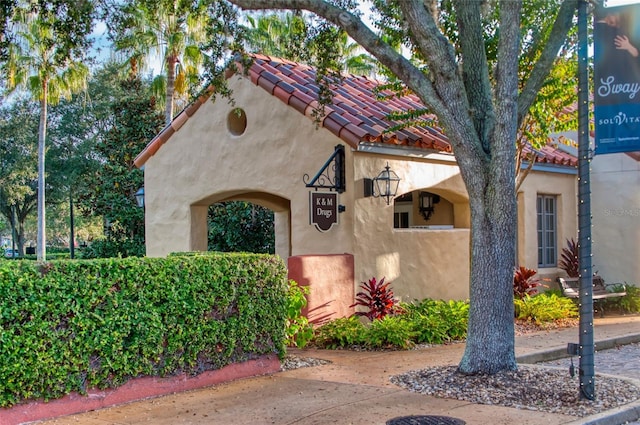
(401, 220)
(546, 208)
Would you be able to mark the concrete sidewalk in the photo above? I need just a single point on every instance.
(355, 389)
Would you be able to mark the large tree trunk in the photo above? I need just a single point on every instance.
(490, 335)
(490, 184)
(41, 241)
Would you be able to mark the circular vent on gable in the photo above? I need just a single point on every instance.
(237, 122)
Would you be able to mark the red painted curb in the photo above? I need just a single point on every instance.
(135, 389)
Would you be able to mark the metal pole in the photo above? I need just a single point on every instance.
(72, 240)
(586, 347)
(13, 231)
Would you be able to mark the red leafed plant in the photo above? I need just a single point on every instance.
(524, 282)
(377, 297)
(570, 259)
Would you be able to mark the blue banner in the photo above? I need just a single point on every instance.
(617, 79)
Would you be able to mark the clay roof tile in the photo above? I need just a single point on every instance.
(358, 113)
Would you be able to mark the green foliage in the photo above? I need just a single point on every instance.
(377, 298)
(241, 227)
(340, 333)
(524, 282)
(18, 163)
(428, 321)
(280, 35)
(144, 30)
(294, 36)
(109, 190)
(544, 308)
(299, 330)
(438, 321)
(630, 303)
(73, 325)
(113, 247)
(391, 332)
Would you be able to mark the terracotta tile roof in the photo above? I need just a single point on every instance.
(552, 155)
(357, 114)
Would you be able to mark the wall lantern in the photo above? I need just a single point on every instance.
(383, 186)
(140, 197)
(428, 201)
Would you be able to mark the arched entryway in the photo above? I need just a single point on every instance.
(281, 208)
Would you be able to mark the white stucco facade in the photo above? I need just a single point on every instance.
(206, 161)
(615, 208)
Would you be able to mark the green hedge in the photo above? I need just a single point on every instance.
(74, 325)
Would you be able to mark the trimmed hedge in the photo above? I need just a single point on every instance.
(73, 325)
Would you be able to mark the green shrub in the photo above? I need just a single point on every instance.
(544, 308)
(299, 330)
(390, 332)
(340, 333)
(72, 325)
(113, 248)
(428, 321)
(438, 321)
(630, 303)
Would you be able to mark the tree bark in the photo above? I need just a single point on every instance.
(41, 240)
(171, 83)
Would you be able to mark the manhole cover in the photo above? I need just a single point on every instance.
(425, 420)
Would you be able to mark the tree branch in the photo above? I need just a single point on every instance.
(449, 86)
(398, 64)
(475, 69)
(541, 69)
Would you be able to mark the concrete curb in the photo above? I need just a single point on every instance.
(135, 390)
(617, 416)
(561, 352)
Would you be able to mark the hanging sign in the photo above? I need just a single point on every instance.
(617, 79)
(323, 209)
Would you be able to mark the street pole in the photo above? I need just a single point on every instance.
(72, 240)
(13, 231)
(585, 343)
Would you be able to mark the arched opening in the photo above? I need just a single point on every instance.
(242, 221)
(240, 226)
(430, 209)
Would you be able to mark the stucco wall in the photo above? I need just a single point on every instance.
(204, 163)
(615, 208)
(563, 186)
(420, 263)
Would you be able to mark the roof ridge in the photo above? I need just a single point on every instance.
(356, 113)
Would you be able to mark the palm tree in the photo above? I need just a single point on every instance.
(285, 35)
(33, 63)
(171, 30)
(280, 35)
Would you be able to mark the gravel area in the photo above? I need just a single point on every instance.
(293, 362)
(530, 387)
(539, 388)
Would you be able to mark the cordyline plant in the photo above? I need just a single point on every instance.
(524, 282)
(570, 259)
(377, 297)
